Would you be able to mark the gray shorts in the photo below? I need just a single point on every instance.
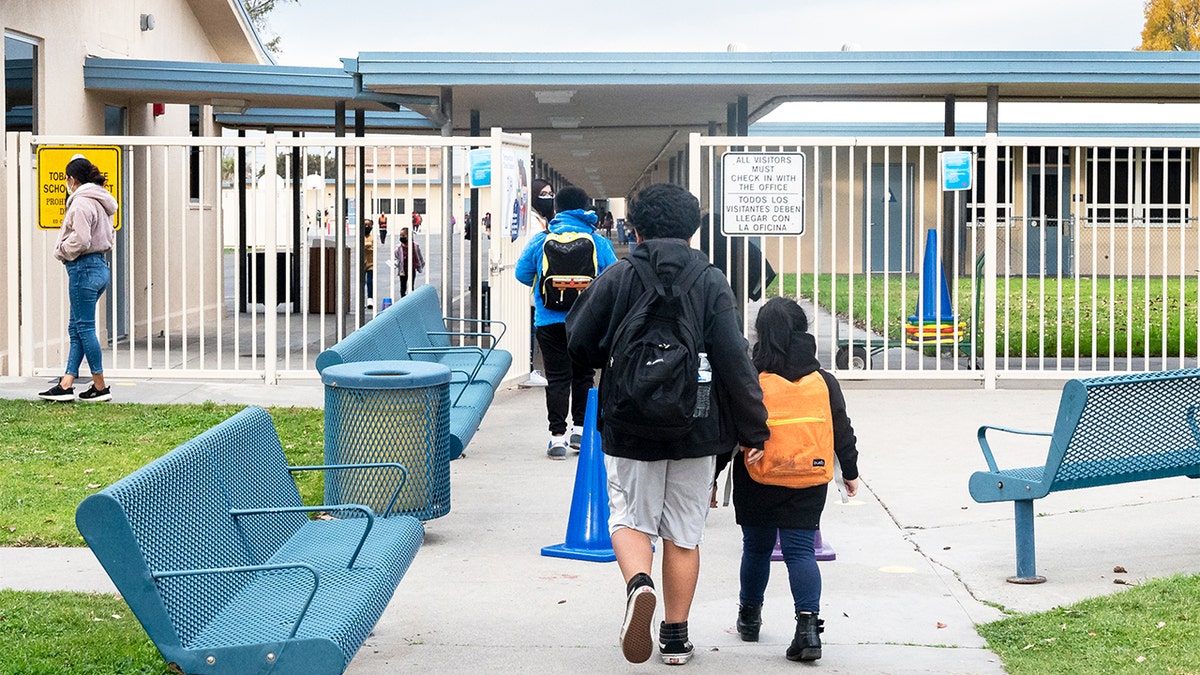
(668, 498)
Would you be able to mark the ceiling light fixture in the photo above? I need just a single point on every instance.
(554, 96)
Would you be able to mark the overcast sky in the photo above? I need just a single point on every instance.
(319, 32)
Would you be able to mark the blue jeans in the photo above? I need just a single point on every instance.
(87, 277)
(799, 555)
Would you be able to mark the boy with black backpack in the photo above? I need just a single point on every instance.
(663, 418)
(560, 264)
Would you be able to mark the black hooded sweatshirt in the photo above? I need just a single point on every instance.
(761, 505)
(737, 415)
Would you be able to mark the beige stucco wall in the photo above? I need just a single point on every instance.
(67, 32)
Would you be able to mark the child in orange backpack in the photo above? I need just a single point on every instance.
(780, 491)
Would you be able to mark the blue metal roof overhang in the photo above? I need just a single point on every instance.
(295, 119)
(238, 85)
(603, 118)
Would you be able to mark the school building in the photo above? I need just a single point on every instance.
(243, 183)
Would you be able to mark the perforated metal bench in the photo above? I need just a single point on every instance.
(414, 329)
(1109, 430)
(218, 559)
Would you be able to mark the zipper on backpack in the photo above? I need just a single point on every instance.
(793, 420)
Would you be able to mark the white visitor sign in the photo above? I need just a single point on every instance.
(762, 193)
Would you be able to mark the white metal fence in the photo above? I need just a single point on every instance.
(227, 263)
(1068, 256)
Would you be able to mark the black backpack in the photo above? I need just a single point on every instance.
(649, 387)
(568, 267)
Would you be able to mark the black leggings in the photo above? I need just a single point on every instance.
(567, 381)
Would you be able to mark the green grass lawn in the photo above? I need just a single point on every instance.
(1152, 628)
(52, 455)
(1132, 317)
(55, 633)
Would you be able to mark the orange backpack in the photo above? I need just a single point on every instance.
(799, 453)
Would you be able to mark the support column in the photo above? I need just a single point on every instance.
(993, 109)
(991, 189)
(360, 184)
(474, 230)
(297, 246)
(240, 261)
(339, 219)
(949, 238)
(447, 291)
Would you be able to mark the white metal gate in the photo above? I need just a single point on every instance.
(1068, 257)
(227, 264)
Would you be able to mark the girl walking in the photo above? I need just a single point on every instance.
(780, 491)
(86, 236)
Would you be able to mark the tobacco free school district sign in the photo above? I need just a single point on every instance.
(762, 193)
(52, 181)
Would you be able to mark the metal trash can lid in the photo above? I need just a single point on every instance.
(386, 375)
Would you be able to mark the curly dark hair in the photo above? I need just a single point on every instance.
(665, 211)
(571, 198)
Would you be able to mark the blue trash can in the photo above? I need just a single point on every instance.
(389, 411)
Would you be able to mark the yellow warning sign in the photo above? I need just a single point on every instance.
(52, 181)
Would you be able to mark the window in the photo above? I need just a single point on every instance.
(975, 211)
(20, 83)
(419, 206)
(1139, 185)
(388, 206)
(115, 120)
(194, 154)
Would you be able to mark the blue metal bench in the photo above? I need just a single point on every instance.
(218, 559)
(1109, 430)
(414, 329)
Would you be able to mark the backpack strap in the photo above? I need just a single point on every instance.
(683, 283)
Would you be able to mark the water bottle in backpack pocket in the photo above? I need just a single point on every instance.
(703, 387)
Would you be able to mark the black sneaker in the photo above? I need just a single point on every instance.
(57, 393)
(637, 643)
(673, 644)
(94, 395)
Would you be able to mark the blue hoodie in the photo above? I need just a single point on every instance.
(529, 265)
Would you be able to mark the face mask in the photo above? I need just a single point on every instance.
(544, 205)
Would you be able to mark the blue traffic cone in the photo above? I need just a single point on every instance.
(823, 552)
(935, 294)
(587, 524)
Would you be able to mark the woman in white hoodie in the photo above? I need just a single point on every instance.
(86, 235)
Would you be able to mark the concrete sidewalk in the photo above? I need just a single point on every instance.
(918, 562)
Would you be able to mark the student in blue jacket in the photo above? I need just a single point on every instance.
(567, 380)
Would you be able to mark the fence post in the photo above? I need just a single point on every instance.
(270, 265)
